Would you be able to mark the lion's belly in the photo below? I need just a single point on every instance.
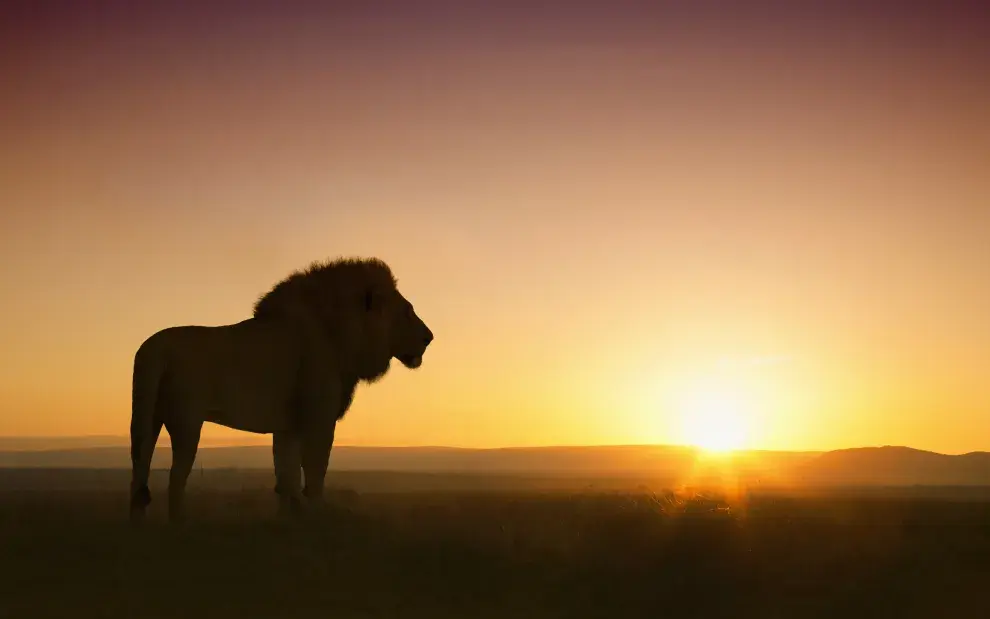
(257, 420)
(253, 409)
(240, 403)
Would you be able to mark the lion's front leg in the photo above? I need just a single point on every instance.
(316, 448)
(287, 454)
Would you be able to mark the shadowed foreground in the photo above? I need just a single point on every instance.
(495, 554)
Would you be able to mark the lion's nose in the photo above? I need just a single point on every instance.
(428, 338)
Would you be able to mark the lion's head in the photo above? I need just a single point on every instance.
(357, 306)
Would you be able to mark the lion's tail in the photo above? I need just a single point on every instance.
(150, 364)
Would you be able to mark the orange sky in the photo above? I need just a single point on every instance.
(595, 211)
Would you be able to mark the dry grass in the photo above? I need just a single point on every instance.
(635, 553)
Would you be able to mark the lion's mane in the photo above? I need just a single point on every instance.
(337, 297)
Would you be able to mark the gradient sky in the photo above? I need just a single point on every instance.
(597, 207)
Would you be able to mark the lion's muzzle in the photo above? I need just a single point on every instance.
(414, 360)
(411, 361)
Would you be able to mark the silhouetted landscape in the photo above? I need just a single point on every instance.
(554, 532)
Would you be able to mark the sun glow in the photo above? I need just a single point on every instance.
(715, 417)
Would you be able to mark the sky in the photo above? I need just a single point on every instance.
(614, 216)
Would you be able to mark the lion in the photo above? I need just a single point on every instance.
(290, 371)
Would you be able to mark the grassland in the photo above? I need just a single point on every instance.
(407, 546)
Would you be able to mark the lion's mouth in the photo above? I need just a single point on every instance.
(411, 361)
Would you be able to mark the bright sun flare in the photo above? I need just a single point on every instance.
(714, 418)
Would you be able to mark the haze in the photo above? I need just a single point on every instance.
(610, 215)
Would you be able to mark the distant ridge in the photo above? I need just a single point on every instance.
(48, 443)
(863, 466)
(39, 443)
(897, 466)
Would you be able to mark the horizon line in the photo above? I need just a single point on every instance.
(207, 444)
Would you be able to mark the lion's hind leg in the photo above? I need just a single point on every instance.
(185, 444)
(142, 450)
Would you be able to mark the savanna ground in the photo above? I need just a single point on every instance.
(393, 545)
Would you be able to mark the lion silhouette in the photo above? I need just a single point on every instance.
(290, 370)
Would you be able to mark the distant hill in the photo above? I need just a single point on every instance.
(549, 459)
(869, 466)
(38, 443)
(584, 461)
(46, 443)
(896, 466)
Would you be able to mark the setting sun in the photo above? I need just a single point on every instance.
(715, 416)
